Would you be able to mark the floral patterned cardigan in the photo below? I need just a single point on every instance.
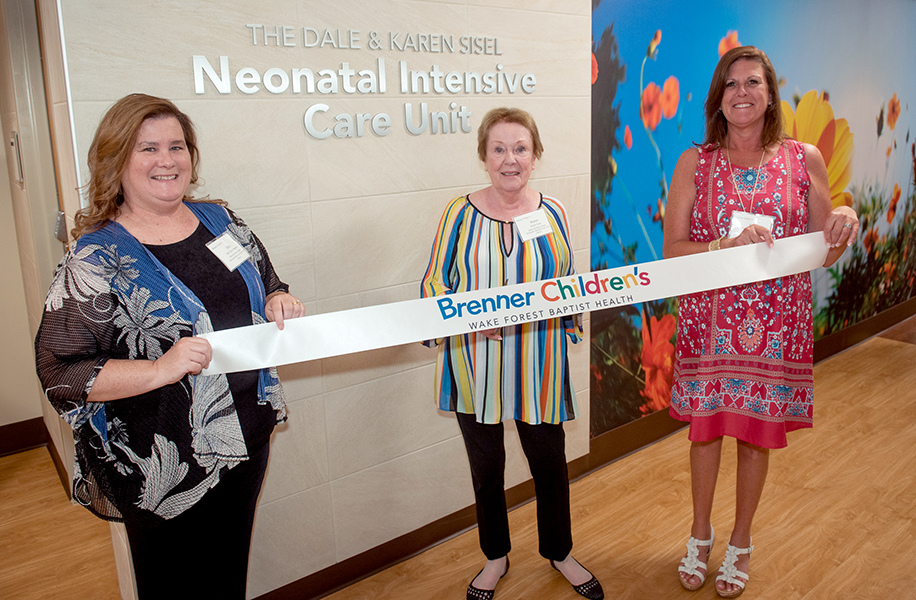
(152, 456)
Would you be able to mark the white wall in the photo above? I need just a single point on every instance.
(365, 456)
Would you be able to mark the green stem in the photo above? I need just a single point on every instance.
(658, 154)
(642, 226)
(613, 361)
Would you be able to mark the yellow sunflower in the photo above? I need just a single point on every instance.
(813, 123)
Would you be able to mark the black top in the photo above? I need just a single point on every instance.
(225, 296)
(147, 458)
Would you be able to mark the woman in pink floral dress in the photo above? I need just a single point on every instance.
(743, 363)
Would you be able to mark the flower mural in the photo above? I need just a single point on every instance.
(650, 109)
(812, 122)
(653, 44)
(870, 240)
(632, 351)
(865, 282)
(605, 118)
(728, 42)
(659, 216)
(892, 210)
(893, 111)
(879, 272)
(656, 102)
(670, 97)
(657, 362)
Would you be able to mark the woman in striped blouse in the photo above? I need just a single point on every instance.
(518, 372)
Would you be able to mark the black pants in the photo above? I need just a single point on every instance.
(545, 449)
(203, 552)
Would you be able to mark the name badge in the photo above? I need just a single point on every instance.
(742, 220)
(229, 251)
(533, 225)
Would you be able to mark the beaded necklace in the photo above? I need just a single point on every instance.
(735, 181)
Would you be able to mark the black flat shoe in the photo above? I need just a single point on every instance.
(591, 589)
(479, 594)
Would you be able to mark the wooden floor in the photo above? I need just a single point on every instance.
(48, 547)
(837, 519)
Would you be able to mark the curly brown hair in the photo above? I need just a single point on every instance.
(109, 155)
(716, 125)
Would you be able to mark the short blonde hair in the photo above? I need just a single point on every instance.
(507, 115)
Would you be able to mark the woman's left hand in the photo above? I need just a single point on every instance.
(841, 227)
(492, 334)
(281, 306)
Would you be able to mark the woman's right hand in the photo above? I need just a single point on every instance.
(752, 234)
(189, 355)
(123, 378)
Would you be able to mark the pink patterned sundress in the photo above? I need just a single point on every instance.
(744, 357)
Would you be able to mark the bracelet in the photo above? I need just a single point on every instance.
(714, 245)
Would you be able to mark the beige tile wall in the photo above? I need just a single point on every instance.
(365, 456)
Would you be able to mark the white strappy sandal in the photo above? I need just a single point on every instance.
(729, 572)
(691, 564)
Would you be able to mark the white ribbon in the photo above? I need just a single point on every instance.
(360, 329)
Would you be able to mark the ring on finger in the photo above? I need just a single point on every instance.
(847, 226)
(296, 302)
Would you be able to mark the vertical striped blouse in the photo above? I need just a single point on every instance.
(526, 375)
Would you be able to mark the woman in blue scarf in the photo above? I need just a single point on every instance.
(177, 456)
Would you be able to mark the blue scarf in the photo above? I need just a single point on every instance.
(155, 306)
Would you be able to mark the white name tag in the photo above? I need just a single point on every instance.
(229, 251)
(533, 225)
(742, 220)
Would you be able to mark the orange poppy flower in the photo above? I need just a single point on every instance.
(627, 137)
(657, 362)
(728, 42)
(892, 211)
(890, 273)
(893, 111)
(870, 239)
(650, 109)
(812, 122)
(594, 68)
(671, 95)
